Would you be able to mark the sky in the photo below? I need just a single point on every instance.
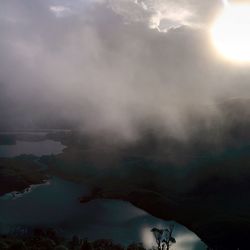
(113, 66)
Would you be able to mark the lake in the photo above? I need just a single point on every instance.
(56, 204)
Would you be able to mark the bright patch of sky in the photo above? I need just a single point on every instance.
(60, 10)
(157, 14)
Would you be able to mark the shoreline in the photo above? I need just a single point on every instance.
(19, 194)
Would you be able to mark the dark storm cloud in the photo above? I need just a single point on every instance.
(100, 66)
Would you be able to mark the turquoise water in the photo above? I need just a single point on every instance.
(56, 204)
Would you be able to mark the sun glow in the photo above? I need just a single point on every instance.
(231, 32)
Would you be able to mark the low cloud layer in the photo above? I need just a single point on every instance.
(112, 66)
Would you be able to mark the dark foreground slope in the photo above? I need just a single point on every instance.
(49, 239)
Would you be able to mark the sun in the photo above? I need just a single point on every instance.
(231, 32)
